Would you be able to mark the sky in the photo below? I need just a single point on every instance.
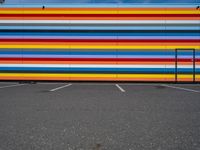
(100, 1)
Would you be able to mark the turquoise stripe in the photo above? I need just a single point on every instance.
(117, 70)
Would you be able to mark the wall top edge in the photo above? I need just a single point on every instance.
(99, 5)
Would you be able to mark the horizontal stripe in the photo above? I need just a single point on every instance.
(97, 56)
(109, 17)
(78, 8)
(94, 66)
(99, 15)
(103, 21)
(99, 18)
(105, 40)
(98, 31)
(99, 37)
(98, 28)
(67, 49)
(96, 79)
(103, 5)
(95, 62)
(71, 25)
(98, 46)
(99, 10)
(100, 70)
(94, 52)
(94, 75)
(98, 43)
(97, 34)
(105, 59)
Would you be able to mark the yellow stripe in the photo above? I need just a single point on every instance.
(96, 46)
(155, 76)
(97, 12)
(181, 76)
(95, 75)
(53, 75)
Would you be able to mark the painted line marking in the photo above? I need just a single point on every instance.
(8, 82)
(52, 83)
(120, 88)
(180, 88)
(139, 84)
(58, 88)
(7, 86)
(113, 84)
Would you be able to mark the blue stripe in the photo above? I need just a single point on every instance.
(144, 70)
(98, 34)
(100, 37)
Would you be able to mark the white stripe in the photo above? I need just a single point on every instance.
(7, 86)
(180, 88)
(182, 66)
(120, 88)
(61, 87)
(103, 21)
(95, 66)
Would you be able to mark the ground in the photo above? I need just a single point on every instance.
(99, 116)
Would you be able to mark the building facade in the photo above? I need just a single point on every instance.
(104, 42)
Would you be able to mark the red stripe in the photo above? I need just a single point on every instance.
(102, 59)
(99, 15)
(104, 40)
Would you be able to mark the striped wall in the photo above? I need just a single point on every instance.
(99, 42)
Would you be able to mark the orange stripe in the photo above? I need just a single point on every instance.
(96, 79)
(197, 79)
(34, 78)
(185, 79)
(99, 18)
(93, 78)
(140, 79)
(101, 9)
(56, 78)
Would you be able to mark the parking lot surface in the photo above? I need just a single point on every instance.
(99, 116)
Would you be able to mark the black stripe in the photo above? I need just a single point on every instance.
(100, 31)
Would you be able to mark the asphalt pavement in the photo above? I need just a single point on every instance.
(99, 116)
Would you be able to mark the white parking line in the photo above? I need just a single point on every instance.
(7, 86)
(102, 83)
(180, 88)
(8, 82)
(58, 88)
(120, 88)
(51, 83)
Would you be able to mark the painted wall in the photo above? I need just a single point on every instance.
(99, 42)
